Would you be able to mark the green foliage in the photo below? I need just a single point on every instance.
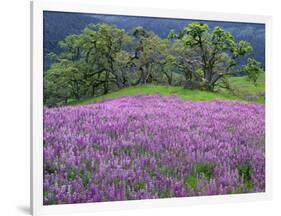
(166, 193)
(245, 173)
(199, 171)
(200, 72)
(168, 171)
(103, 59)
(205, 169)
(71, 175)
(194, 34)
(94, 59)
(191, 182)
(149, 53)
(242, 48)
(62, 82)
(139, 32)
(253, 69)
(213, 52)
(222, 40)
(140, 186)
(195, 95)
(85, 179)
(185, 94)
(242, 88)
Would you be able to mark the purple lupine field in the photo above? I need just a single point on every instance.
(146, 147)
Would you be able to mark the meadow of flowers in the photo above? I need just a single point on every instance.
(147, 147)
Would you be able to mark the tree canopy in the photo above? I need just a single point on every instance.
(104, 58)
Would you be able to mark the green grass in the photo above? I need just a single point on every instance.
(185, 94)
(191, 182)
(247, 90)
(243, 86)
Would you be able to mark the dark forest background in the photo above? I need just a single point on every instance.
(57, 25)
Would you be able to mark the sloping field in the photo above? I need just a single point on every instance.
(146, 147)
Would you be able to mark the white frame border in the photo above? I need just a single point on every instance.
(87, 6)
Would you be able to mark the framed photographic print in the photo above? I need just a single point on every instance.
(142, 107)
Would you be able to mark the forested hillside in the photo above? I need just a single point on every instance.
(58, 25)
(103, 58)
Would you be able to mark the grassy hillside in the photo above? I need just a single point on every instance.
(243, 84)
(244, 91)
(162, 90)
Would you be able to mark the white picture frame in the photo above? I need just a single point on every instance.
(87, 6)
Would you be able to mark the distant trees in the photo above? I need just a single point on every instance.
(104, 47)
(253, 69)
(214, 53)
(148, 55)
(91, 62)
(104, 58)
